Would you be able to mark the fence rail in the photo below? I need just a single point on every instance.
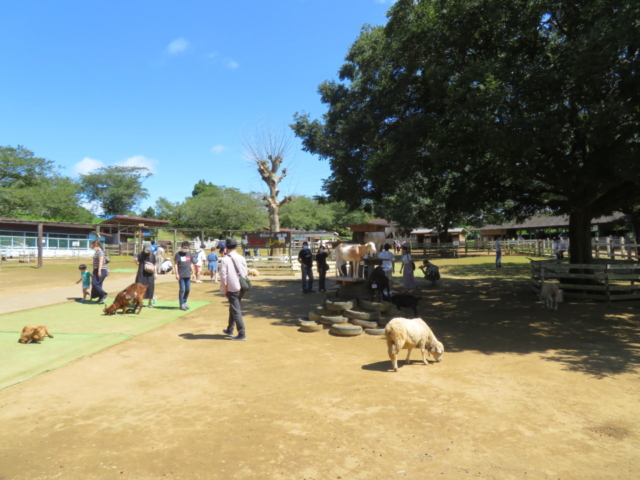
(604, 281)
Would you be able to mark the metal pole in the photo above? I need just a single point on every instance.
(40, 238)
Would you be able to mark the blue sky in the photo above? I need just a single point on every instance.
(170, 85)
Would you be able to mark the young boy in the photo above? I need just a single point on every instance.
(85, 278)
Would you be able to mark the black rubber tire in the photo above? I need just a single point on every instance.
(321, 310)
(331, 294)
(374, 331)
(305, 321)
(369, 316)
(363, 323)
(384, 320)
(374, 306)
(346, 330)
(311, 328)
(327, 320)
(339, 305)
(314, 316)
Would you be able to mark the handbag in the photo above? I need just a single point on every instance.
(413, 265)
(245, 283)
(149, 267)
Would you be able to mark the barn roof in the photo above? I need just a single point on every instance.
(126, 220)
(428, 231)
(48, 223)
(541, 222)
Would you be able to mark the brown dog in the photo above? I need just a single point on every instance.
(34, 334)
(132, 295)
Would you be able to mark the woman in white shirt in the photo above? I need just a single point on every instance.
(408, 278)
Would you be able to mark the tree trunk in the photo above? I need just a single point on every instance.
(580, 237)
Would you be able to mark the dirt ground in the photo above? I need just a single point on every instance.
(521, 392)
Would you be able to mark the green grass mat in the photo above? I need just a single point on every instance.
(80, 329)
(124, 270)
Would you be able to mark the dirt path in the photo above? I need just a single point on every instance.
(521, 393)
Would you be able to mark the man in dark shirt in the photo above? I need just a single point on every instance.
(321, 264)
(185, 268)
(306, 266)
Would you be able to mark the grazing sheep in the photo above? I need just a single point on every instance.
(551, 295)
(352, 253)
(408, 333)
(378, 282)
(253, 272)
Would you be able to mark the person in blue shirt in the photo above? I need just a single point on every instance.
(212, 259)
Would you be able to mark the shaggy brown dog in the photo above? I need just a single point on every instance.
(132, 295)
(34, 334)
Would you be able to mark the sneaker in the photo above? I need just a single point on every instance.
(227, 332)
(102, 300)
(188, 307)
(183, 307)
(198, 281)
(239, 339)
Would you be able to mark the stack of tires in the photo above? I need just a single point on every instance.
(349, 318)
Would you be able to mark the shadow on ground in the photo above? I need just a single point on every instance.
(494, 312)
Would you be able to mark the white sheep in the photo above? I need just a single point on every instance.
(551, 295)
(408, 333)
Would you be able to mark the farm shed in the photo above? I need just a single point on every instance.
(537, 226)
(376, 231)
(429, 235)
(123, 228)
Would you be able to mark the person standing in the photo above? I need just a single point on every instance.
(232, 267)
(85, 278)
(388, 264)
(306, 267)
(100, 272)
(185, 270)
(212, 260)
(498, 253)
(408, 277)
(321, 264)
(198, 260)
(144, 276)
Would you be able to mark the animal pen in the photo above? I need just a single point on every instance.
(604, 280)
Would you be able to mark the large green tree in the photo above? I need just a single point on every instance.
(31, 187)
(117, 189)
(524, 106)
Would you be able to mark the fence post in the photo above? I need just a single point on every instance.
(609, 249)
(606, 280)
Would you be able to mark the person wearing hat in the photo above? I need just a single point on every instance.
(144, 277)
(305, 258)
(185, 269)
(232, 267)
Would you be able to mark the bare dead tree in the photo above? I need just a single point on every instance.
(267, 149)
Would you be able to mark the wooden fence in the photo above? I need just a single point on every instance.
(602, 281)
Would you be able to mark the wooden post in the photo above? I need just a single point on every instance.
(609, 250)
(40, 238)
(606, 280)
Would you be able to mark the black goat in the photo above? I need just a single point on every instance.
(379, 282)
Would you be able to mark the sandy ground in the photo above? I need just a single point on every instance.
(521, 393)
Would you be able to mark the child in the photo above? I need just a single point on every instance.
(212, 259)
(85, 278)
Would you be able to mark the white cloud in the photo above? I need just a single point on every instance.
(140, 161)
(386, 1)
(218, 149)
(87, 165)
(232, 64)
(179, 45)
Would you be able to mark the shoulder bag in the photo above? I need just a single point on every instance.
(245, 283)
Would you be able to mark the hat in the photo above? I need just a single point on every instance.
(146, 246)
(231, 242)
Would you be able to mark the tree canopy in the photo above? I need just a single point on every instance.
(31, 187)
(520, 106)
(117, 189)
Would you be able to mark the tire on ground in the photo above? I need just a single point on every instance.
(331, 294)
(314, 316)
(328, 320)
(302, 321)
(339, 305)
(312, 327)
(370, 316)
(346, 330)
(321, 310)
(374, 331)
(363, 323)
(374, 306)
